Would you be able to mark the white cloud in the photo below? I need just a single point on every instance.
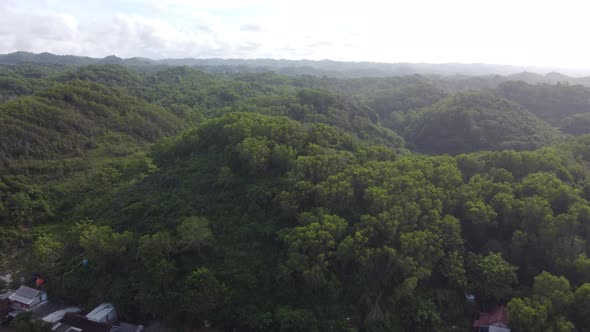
(525, 32)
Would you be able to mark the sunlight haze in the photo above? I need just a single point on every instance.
(527, 33)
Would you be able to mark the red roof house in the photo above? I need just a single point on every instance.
(493, 321)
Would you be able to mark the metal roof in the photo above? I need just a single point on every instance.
(25, 295)
(84, 324)
(58, 315)
(100, 312)
(61, 328)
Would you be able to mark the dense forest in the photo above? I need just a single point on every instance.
(259, 201)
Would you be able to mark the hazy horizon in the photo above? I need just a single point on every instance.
(532, 34)
(463, 68)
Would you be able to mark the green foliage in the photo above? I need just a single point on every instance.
(22, 203)
(288, 203)
(549, 102)
(547, 309)
(194, 233)
(556, 290)
(475, 121)
(319, 99)
(203, 293)
(293, 319)
(23, 322)
(101, 243)
(405, 98)
(68, 121)
(527, 315)
(157, 294)
(577, 124)
(311, 246)
(582, 303)
(47, 252)
(108, 74)
(421, 314)
(492, 276)
(582, 268)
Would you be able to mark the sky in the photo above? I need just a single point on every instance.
(517, 32)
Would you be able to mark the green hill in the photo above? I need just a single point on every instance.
(551, 103)
(310, 228)
(68, 121)
(475, 121)
(577, 124)
(260, 202)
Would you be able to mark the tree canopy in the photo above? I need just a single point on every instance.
(263, 202)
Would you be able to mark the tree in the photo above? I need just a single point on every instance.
(492, 276)
(582, 304)
(156, 294)
(556, 290)
(479, 213)
(203, 293)
(423, 249)
(25, 205)
(420, 314)
(528, 315)
(294, 319)
(156, 297)
(312, 246)
(47, 251)
(103, 245)
(194, 234)
(253, 155)
(23, 322)
(454, 270)
(582, 268)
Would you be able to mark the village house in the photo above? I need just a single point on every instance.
(104, 313)
(58, 315)
(103, 318)
(493, 321)
(26, 298)
(72, 322)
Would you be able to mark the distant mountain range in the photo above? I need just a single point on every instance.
(319, 68)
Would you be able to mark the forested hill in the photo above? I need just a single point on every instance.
(468, 122)
(65, 123)
(316, 68)
(267, 202)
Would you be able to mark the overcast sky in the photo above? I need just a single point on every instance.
(519, 32)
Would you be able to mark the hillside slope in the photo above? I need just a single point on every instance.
(475, 121)
(69, 120)
(272, 225)
(551, 103)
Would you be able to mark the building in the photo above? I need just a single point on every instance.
(101, 319)
(104, 313)
(26, 298)
(72, 322)
(58, 315)
(493, 321)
